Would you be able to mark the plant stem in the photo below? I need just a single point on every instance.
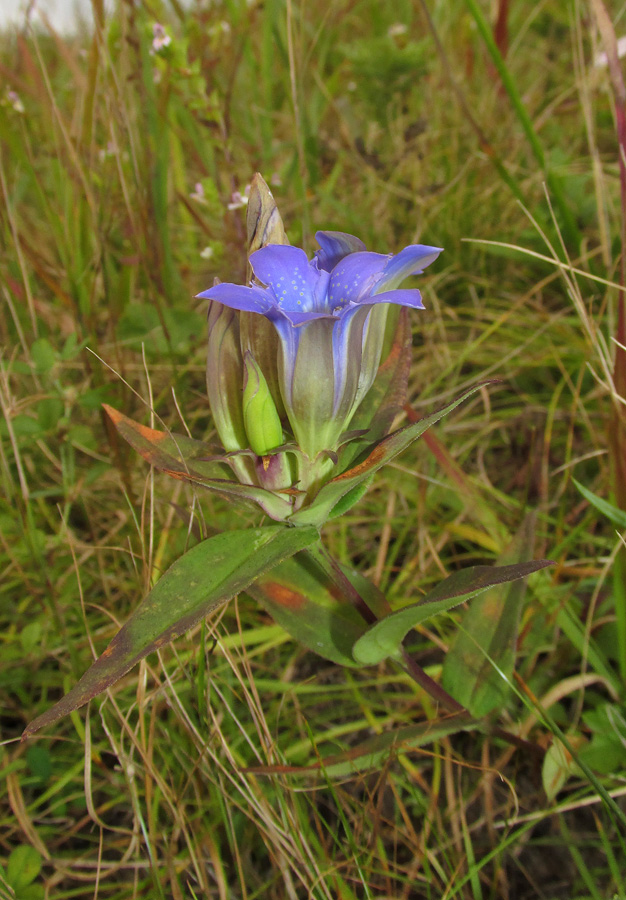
(410, 666)
(332, 568)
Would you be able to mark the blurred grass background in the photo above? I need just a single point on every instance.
(124, 158)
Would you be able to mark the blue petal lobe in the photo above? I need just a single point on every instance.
(357, 347)
(236, 296)
(355, 278)
(405, 297)
(347, 351)
(335, 246)
(287, 271)
(410, 261)
(296, 319)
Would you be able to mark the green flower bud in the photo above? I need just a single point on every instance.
(261, 419)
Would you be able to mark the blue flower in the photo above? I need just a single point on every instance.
(329, 315)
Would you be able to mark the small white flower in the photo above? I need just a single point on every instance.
(111, 149)
(397, 29)
(15, 101)
(239, 200)
(160, 38)
(198, 193)
(601, 60)
(207, 253)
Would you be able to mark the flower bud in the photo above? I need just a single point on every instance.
(261, 419)
(224, 376)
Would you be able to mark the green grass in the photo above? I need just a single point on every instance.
(175, 785)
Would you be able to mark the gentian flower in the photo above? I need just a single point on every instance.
(324, 347)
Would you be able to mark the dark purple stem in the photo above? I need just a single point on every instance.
(419, 676)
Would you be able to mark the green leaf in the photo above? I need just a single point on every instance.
(33, 892)
(185, 458)
(22, 426)
(82, 436)
(303, 600)
(606, 751)
(484, 648)
(140, 322)
(559, 765)
(348, 500)
(30, 636)
(43, 355)
(378, 455)
(71, 347)
(183, 325)
(23, 867)
(49, 411)
(39, 761)
(372, 753)
(384, 638)
(206, 577)
(613, 513)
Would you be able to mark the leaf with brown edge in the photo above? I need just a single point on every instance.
(372, 753)
(183, 457)
(161, 448)
(206, 577)
(384, 638)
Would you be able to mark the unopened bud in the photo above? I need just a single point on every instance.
(261, 419)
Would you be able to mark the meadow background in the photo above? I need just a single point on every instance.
(124, 158)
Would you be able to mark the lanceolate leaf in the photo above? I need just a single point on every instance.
(613, 513)
(484, 648)
(378, 455)
(161, 448)
(182, 457)
(348, 500)
(372, 753)
(384, 638)
(303, 599)
(206, 577)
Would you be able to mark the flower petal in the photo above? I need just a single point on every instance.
(296, 319)
(410, 261)
(405, 297)
(355, 278)
(236, 296)
(335, 246)
(288, 273)
(357, 347)
(348, 337)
